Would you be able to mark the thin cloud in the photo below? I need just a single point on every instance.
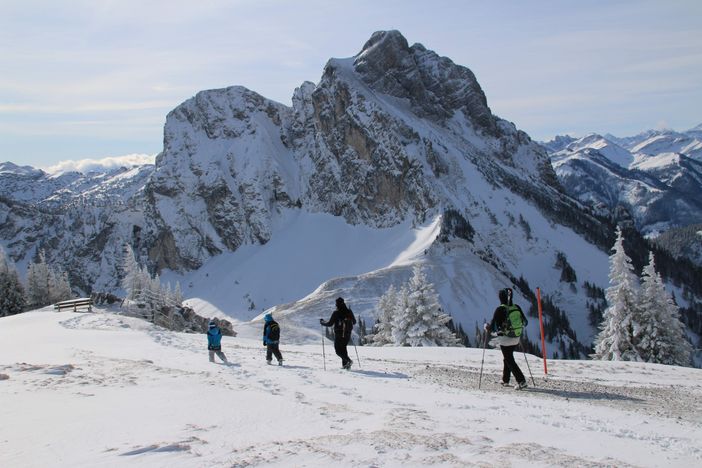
(110, 162)
(83, 108)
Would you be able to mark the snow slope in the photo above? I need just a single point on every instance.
(99, 389)
(310, 248)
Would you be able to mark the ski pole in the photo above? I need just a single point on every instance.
(324, 354)
(527, 362)
(356, 349)
(483, 360)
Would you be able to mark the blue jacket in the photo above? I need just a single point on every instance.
(214, 338)
(271, 331)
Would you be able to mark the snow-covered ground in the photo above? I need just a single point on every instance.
(100, 389)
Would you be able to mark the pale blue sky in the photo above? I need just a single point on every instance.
(91, 79)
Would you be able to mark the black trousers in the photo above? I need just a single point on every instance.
(340, 344)
(272, 349)
(510, 365)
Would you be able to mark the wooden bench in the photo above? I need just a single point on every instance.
(75, 304)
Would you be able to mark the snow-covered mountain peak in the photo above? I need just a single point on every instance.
(435, 87)
(607, 148)
(689, 144)
(24, 171)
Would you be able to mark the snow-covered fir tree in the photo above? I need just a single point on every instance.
(663, 338)
(134, 279)
(38, 282)
(12, 297)
(46, 284)
(387, 308)
(400, 322)
(621, 321)
(419, 320)
(59, 286)
(140, 286)
(178, 294)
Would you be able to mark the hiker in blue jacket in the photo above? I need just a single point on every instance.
(214, 342)
(271, 339)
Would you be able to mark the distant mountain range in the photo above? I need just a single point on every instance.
(656, 176)
(393, 158)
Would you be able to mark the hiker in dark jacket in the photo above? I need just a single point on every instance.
(343, 320)
(214, 342)
(271, 339)
(506, 326)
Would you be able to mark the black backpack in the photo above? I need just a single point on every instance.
(274, 331)
(347, 323)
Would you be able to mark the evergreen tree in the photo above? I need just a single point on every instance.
(46, 284)
(387, 309)
(617, 338)
(38, 282)
(59, 286)
(133, 281)
(421, 320)
(12, 298)
(178, 294)
(400, 320)
(663, 338)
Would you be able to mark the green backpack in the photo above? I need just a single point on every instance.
(515, 322)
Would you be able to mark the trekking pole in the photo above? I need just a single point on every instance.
(357, 358)
(324, 354)
(527, 362)
(483, 360)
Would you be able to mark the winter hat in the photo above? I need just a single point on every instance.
(340, 302)
(212, 324)
(268, 317)
(505, 296)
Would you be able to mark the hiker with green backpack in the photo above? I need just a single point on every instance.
(506, 326)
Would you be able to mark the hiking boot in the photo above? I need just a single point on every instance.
(521, 385)
(268, 361)
(348, 364)
(280, 362)
(504, 384)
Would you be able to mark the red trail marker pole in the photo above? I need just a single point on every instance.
(541, 325)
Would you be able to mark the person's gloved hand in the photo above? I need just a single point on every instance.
(321, 321)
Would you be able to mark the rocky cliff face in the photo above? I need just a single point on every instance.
(384, 136)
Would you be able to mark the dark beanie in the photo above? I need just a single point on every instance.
(340, 302)
(505, 296)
